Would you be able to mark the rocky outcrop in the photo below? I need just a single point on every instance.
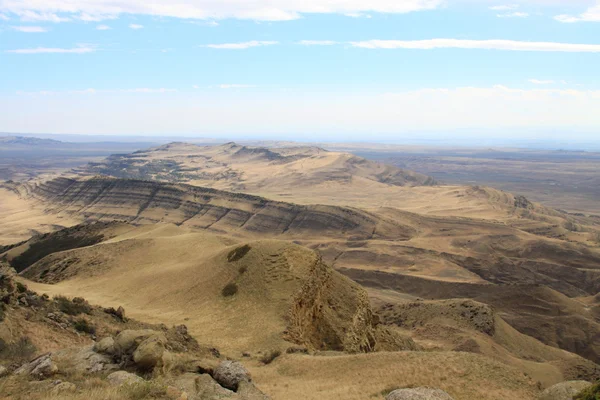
(564, 390)
(41, 368)
(418, 394)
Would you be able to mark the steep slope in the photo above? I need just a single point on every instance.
(244, 297)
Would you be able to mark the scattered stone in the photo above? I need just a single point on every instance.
(229, 374)
(127, 341)
(64, 387)
(207, 388)
(119, 313)
(40, 368)
(175, 394)
(418, 394)
(564, 390)
(105, 346)
(123, 378)
(3, 371)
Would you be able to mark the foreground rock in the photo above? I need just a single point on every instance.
(418, 394)
(230, 374)
(41, 368)
(123, 378)
(564, 390)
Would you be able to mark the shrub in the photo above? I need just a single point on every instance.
(242, 270)
(591, 393)
(83, 325)
(238, 253)
(18, 352)
(571, 226)
(21, 288)
(75, 307)
(269, 357)
(229, 290)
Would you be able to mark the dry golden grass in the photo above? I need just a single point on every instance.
(358, 377)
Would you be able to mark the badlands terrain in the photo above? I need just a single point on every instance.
(328, 275)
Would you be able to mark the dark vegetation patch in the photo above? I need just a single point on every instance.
(76, 306)
(238, 253)
(18, 352)
(229, 290)
(591, 393)
(270, 356)
(83, 325)
(66, 239)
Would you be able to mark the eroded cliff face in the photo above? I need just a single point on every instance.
(150, 202)
(330, 312)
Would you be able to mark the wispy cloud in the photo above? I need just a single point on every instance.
(509, 45)
(136, 26)
(241, 45)
(103, 27)
(4, 17)
(516, 14)
(505, 7)
(54, 50)
(317, 42)
(590, 15)
(541, 82)
(32, 15)
(30, 29)
(235, 86)
(261, 10)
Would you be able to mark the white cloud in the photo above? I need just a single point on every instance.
(147, 90)
(4, 17)
(541, 82)
(265, 10)
(241, 45)
(317, 42)
(30, 29)
(54, 50)
(30, 15)
(511, 45)
(506, 7)
(195, 87)
(103, 27)
(592, 14)
(235, 86)
(136, 26)
(515, 14)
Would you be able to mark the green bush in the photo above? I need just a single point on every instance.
(21, 288)
(83, 325)
(238, 253)
(73, 307)
(229, 290)
(591, 393)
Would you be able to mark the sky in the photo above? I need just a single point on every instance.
(342, 70)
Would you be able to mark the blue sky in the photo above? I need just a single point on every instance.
(333, 69)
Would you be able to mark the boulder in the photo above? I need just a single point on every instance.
(3, 371)
(123, 378)
(127, 341)
(564, 390)
(202, 387)
(418, 394)
(229, 374)
(40, 368)
(105, 346)
(85, 359)
(149, 353)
